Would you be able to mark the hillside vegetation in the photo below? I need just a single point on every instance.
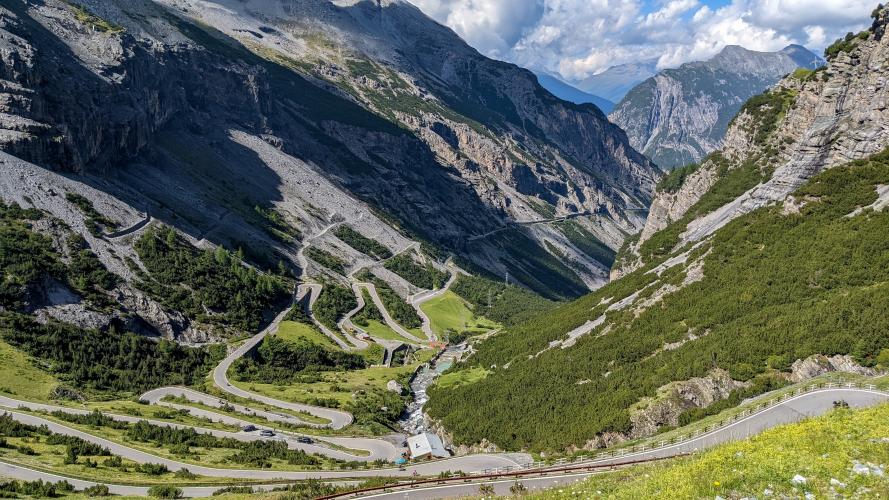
(841, 454)
(505, 304)
(213, 286)
(776, 287)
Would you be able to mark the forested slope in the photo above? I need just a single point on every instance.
(769, 272)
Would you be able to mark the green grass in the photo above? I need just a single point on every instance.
(50, 458)
(775, 288)
(338, 385)
(461, 377)
(293, 331)
(381, 330)
(450, 312)
(212, 457)
(19, 377)
(819, 449)
(88, 18)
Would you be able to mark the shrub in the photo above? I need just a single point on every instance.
(164, 491)
(362, 243)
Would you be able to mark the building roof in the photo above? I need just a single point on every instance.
(426, 444)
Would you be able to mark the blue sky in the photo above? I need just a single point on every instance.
(577, 38)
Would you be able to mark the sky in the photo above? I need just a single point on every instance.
(579, 38)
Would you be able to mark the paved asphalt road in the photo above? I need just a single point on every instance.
(378, 449)
(418, 299)
(390, 322)
(465, 463)
(338, 419)
(791, 410)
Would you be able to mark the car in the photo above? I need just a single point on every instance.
(266, 433)
(248, 428)
(304, 440)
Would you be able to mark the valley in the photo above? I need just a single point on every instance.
(327, 249)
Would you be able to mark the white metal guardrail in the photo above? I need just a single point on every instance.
(686, 438)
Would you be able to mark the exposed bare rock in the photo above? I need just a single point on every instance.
(142, 101)
(811, 367)
(836, 115)
(680, 115)
(834, 119)
(604, 440)
(676, 397)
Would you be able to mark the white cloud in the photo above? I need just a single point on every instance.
(577, 38)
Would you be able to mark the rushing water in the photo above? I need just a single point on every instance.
(412, 421)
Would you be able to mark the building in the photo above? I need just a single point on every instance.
(426, 445)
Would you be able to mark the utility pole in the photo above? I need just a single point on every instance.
(506, 279)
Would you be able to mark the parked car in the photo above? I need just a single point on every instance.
(304, 440)
(248, 428)
(266, 433)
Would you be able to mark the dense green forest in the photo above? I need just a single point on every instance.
(326, 259)
(402, 312)
(776, 288)
(369, 312)
(363, 244)
(506, 304)
(335, 301)
(419, 275)
(278, 361)
(108, 360)
(27, 257)
(196, 281)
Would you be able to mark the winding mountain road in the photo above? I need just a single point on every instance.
(314, 291)
(338, 419)
(793, 409)
(418, 299)
(390, 322)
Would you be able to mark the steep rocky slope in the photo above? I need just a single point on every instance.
(213, 115)
(763, 265)
(680, 115)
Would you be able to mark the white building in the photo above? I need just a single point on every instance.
(426, 445)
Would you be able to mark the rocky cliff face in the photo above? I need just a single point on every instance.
(234, 103)
(826, 117)
(680, 115)
(833, 115)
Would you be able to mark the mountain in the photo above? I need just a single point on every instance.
(235, 122)
(764, 265)
(614, 83)
(565, 91)
(680, 115)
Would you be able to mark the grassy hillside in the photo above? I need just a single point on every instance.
(450, 312)
(506, 304)
(775, 288)
(823, 450)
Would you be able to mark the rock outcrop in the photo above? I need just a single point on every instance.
(811, 367)
(834, 114)
(680, 115)
(379, 102)
(673, 399)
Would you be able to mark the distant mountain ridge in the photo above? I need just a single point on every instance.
(680, 115)
(571, 93)
(614, 83)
